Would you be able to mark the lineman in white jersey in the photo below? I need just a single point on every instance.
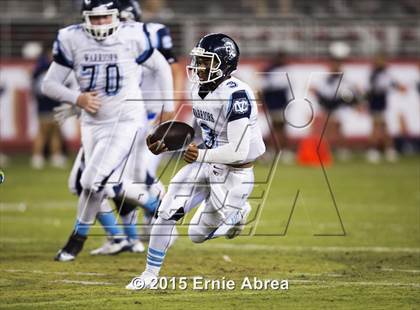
(143, 162)
(157, 111)
(220, 175)
(141, 159)
(105, 56)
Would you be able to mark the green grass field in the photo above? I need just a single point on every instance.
(373, 264)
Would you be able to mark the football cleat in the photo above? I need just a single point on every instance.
(233, 224)
(143, 282)
(136, 246)
(240, 222)
(63, 256)
(111, 247)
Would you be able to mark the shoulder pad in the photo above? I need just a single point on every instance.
(62, 46)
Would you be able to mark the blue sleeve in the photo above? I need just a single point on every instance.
(165, 45)
(148, 51)
(239, 106)
(164, 38)
(59, 56)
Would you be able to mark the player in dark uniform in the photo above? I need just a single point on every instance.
(381, 83)
(332, 94)
(275, 91)
(49, 134)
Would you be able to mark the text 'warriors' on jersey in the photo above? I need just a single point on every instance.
(107, 67)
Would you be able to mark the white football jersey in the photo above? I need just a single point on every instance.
(109, 67)
(231, 100)
(161, 40)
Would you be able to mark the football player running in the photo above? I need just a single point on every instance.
(220, 176)
(156, 111)
(105, 56)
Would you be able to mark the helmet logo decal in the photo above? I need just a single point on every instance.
(230, 49)
(87, 2)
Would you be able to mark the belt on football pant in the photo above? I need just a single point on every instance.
(244, 165)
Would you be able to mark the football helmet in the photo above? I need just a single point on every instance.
(100, 8)
(130, 10)
(215, 56)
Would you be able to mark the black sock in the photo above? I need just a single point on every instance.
(75, 244)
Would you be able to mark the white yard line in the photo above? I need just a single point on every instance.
(23, 206)
(56, 272)
(82, 282)
(50, 221)
(19, 207)
(356, 283)
(309, 274)
(91, 274)
(401, 270)
(17, 240)
(252, 247)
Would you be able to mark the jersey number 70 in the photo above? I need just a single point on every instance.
(112, 85)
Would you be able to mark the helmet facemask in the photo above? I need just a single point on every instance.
(204, 67)
(101, 32)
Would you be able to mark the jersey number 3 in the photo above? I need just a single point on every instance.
(209, 135)
(112, 85)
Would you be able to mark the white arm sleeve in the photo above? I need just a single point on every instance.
(163, 73)
(53, 84)
(239, 136)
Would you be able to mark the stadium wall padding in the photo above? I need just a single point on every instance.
(18, 119)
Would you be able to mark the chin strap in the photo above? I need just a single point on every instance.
(207, 88)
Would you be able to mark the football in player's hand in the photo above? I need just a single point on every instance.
(175, 135)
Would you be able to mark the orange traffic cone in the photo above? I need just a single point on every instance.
(309, 154)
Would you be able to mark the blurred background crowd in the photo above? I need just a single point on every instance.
(345, 70)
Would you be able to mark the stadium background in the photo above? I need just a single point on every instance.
(304, 30)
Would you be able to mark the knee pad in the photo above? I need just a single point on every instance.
(88, 183)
